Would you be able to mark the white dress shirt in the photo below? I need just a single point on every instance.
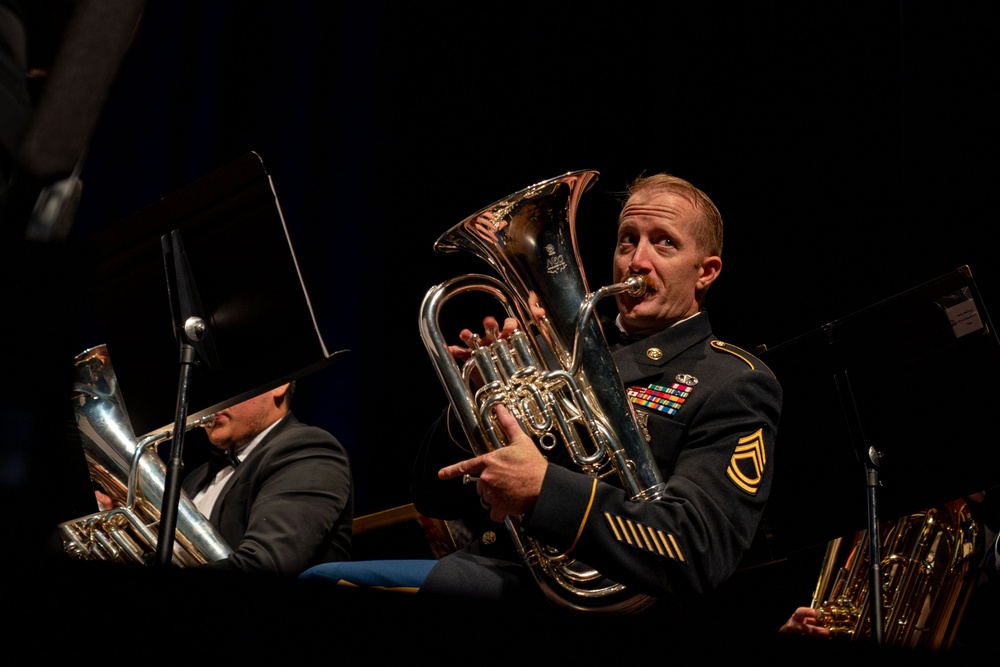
(205, 499)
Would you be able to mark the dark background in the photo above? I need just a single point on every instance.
(850, 147)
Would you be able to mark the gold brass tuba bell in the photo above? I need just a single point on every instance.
(576, 397)
(929, 563)
(133, 475)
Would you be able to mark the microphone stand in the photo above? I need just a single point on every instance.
(195, 340)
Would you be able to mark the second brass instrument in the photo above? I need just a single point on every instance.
(929, 564)
(133, 475)
(529, 238)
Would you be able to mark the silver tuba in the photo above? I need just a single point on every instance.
(133, 475)
(576, 397)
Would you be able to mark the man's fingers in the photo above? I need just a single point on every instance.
(468, 468)
(450, 472)
(510, 325)
(508, 422)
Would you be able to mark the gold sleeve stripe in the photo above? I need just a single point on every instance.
(635, 534)
(625, 533)
(644, 537)
(664, 543)
(673, 540)
(648, 538)
(590, 505)
(613, 526)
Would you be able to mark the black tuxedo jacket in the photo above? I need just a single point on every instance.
(288, 506)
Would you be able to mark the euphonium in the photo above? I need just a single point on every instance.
(133, 475)
(529, 238)
(929, 563)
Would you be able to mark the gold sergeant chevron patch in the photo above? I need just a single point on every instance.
(746, 467)
(644, 537)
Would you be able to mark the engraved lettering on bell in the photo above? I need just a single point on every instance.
(555, 263)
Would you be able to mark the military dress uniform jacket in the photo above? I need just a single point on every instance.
(711, 413)
(289, 504)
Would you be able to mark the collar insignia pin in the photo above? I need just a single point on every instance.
(654, 353)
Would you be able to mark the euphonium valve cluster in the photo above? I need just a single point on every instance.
(132, 474)
(564, 389)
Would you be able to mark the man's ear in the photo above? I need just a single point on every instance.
(711, 267)
(278, 393)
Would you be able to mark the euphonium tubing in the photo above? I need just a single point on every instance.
(133, 475)
(529, 239)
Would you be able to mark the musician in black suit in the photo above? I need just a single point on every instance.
(708, 410)
(282, 494)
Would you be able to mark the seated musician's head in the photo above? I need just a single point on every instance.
(239, 424)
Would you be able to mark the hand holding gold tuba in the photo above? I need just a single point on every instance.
(929, 560)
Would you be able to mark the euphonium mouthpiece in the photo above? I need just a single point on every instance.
(635, 285)
(206, 421)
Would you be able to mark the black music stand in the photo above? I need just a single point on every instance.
(890, 405)
(236, 305)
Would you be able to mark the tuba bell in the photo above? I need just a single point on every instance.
(131, 472)
(929, 562)
(573, 395)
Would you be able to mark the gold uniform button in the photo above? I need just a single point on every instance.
(489, 537)
(654, 353)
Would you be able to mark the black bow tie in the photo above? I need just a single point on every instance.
(219, 459)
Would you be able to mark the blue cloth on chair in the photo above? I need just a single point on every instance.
(396, 575)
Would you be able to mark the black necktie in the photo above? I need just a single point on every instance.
(622, 339)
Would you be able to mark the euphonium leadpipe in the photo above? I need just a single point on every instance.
(529, 238)
(929, 564)
(133, 475)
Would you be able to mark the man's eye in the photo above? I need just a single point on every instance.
(627, 239)
(665, 242)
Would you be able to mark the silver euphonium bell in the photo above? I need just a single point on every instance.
(578, 399)
(133, 475)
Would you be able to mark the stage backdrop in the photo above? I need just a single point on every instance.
(849, 148)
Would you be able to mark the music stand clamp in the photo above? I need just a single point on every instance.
(196, 345)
